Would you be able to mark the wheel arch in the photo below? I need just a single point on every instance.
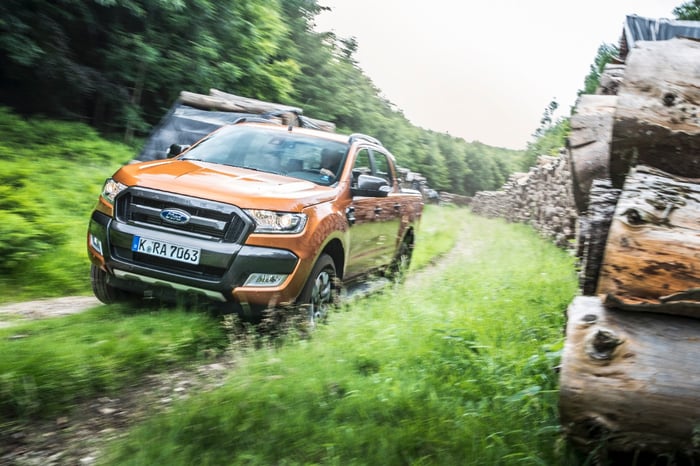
(336, 251)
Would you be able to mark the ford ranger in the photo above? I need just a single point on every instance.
(254, 216)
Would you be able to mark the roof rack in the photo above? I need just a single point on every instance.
(355, 136)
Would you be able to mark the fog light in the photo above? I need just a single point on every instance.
(265, 279)
(96, 244)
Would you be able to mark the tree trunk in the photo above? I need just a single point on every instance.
(611, 78)
(589, 144)
(653, 246)
(630, 381)
(656, 122)
(210, 102)
(253, 105)
(593, 232)
(225, 102)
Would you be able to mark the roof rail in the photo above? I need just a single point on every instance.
(355, 136)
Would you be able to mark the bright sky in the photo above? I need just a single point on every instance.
(482, 70)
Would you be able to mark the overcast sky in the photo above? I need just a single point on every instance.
(482, 70)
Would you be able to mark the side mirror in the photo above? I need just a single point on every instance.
(371, 186)
(176, 149)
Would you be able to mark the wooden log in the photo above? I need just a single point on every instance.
(657, 121)
(320, 124)
(253, 105)
(589, 144)
(653, 246)
(258, 106)
(610, 79)
(593, 233)
(630, 381)
(225, 102)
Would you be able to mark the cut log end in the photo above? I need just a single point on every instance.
(628, 380)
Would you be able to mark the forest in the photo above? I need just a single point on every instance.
(119, 65)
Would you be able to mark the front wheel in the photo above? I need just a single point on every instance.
(321, 291)
(103, 290)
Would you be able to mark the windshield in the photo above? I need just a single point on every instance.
(296, 155)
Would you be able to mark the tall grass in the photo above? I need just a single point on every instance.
(457, 369)
(48, 366)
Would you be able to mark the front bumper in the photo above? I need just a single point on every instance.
(220, 275)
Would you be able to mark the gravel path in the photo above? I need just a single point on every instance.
(42, 308)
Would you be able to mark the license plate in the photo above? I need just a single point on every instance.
(166, 250)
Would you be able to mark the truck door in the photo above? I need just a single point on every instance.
(374, 234)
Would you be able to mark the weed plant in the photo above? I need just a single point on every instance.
(458, 368)
(48, 366)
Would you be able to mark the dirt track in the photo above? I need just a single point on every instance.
(43, 308)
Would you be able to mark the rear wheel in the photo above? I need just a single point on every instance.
(103, 290)
(321, 291)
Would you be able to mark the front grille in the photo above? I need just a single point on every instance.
(208, 219)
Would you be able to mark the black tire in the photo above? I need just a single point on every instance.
(402, 261)
(102, 290)
(321, 291)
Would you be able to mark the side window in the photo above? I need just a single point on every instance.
(382, 167)
(362, 166)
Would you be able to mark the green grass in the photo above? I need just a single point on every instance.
(52, 174)
(54, 363)
(454, 368)
(49, 365)
(437, 233)
(458, 369)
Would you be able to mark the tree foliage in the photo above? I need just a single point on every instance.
(688, 11)
(606, 54)
(120, 64)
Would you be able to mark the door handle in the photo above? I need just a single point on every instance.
(377, 210)
(397, 207)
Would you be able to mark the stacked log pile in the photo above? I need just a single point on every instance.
(456, 199)
(629, 375)
(542, 197)
(630, 370)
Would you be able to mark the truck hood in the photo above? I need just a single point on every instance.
(242, 187)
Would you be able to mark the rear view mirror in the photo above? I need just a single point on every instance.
(176, 149)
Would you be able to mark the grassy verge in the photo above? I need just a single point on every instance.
(49, 365)
(457, 370)
(438, 231)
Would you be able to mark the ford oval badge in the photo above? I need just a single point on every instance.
(175, 216)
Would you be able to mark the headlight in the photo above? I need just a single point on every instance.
(111, 189)
(267, 221)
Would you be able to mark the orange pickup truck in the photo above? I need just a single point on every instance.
(254, 216)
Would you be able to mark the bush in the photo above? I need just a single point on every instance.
(52, 173)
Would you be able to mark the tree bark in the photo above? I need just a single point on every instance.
(653, 246)
(611, 78)
(225, 102)
(589, 144)
(593, 232)
(657, 122)
(630, 381)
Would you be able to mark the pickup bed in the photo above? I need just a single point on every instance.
(254, 216)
